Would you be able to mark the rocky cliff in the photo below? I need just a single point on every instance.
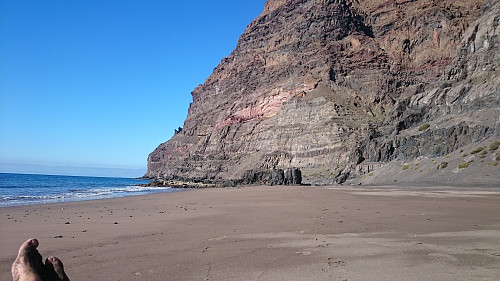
(339, 88)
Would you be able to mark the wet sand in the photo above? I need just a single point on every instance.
(268, 233)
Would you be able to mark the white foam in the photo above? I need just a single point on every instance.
(80, 195)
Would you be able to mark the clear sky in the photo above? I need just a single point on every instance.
(93, 83)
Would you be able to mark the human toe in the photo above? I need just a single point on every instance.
(55, 269)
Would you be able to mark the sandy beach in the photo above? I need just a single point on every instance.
(268, 233)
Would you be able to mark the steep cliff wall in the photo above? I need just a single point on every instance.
(328, 86)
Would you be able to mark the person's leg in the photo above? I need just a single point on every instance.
(29, 266)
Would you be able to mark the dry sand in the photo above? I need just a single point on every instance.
(267, 233)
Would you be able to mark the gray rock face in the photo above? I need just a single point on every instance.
(330, 88)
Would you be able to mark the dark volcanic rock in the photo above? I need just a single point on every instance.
(336, 88)
(291, 176)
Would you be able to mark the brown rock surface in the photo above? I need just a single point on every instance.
(333, 87)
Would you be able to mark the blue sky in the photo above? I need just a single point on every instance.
(101, 83)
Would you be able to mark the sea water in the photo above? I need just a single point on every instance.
(23, 189)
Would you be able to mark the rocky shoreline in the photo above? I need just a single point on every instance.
(292, 176)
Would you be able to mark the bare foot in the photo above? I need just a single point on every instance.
(29, 266)
(55, 270)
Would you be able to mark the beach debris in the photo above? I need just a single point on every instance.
(335, 262)
(304, 253)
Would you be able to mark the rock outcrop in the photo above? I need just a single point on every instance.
(331, 87)
(291, 176)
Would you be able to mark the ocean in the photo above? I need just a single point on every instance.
(24, 189)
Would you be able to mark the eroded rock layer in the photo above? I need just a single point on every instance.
(333, 86)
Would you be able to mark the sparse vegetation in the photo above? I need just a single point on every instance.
(447, 156)
(463, 165)
(497, 157)
(483, 154)
(424, 127)
(465, 155)
(477, 150)
(406, 167)
(495, 163)
(494, 145)
(442, 165)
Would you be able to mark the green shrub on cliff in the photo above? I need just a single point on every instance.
(463, 165)
(424, 127)
(442, 165)
(483, 154)
(494, 145)
(477, 150)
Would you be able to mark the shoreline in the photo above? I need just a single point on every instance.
(31, 189)
(186, 186)
(178, 185)
(278, 232)
(90, 198)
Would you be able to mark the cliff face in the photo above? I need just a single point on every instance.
(337, 87)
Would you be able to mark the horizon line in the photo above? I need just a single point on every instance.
(69, 170)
